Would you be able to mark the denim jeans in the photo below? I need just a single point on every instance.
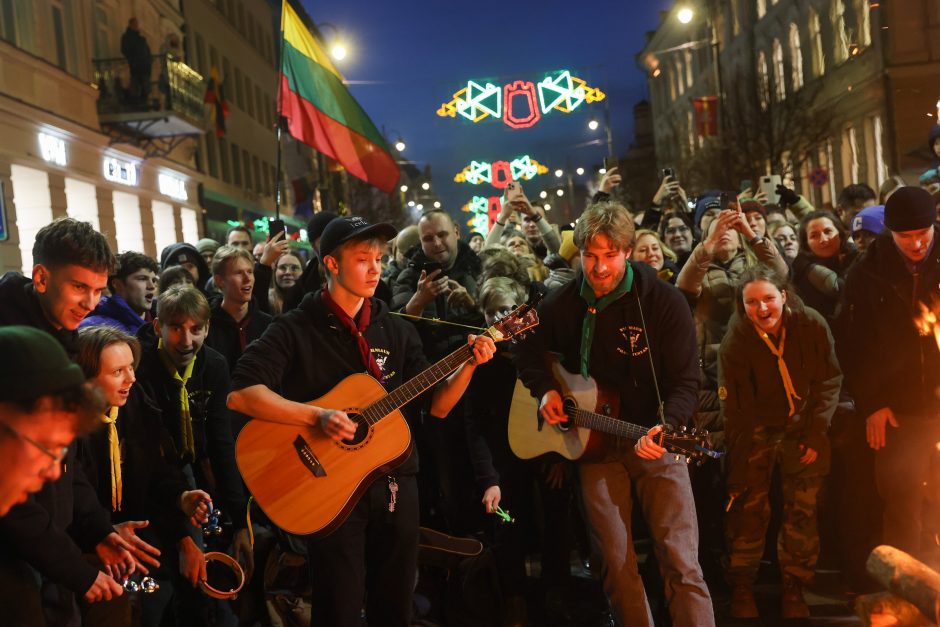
(665, 497)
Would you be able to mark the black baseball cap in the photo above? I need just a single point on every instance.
(342, 230)
(317, 223)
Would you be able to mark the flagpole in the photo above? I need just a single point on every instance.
(280, 60)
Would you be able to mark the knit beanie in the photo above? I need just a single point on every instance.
(910, 209)
(207, 245)
(40, 366)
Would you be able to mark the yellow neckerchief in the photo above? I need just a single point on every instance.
(186, 420)
(781, 365)
(114, 444)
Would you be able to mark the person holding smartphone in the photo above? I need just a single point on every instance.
(541, 235)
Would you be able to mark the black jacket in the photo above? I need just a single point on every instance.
(152, 486)
(35, 531)
(752, 391)
(19, 304)
(819, 282)
(486, 421)
(886, 362)
(306, 352)
(441, 339)
(224, 331)
(620, 354)
(208, 389)
(135, 49)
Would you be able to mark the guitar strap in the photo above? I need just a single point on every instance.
(649, 354)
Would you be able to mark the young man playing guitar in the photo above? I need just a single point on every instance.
(597, 324)
(371, 556)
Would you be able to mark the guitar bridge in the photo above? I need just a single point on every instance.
(308, 458)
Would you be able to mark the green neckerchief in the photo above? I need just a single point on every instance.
(596, 306)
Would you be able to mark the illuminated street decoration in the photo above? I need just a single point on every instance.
(513, 94)
(521, 104)
(485, 211)
(500, 172)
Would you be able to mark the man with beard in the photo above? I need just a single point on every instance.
(133, 287)
(598, 326)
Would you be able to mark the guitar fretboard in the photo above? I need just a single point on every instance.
(415, 386)
(607, 424)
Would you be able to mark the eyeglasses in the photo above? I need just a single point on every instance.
(55, 457)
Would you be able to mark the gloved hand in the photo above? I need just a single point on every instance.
(788, 197)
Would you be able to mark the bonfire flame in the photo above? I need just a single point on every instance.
(927, 323)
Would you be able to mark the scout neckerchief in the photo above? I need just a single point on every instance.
(357, 330)
(114, 446)
(186, 421)
(595, 306)
(781, 365)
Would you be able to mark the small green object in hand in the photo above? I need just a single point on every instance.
(507, 518)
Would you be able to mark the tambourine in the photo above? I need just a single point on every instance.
(223, 571)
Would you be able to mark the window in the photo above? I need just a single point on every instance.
(19, 24)
(240, 24)
(249, 183)
(850, 168)
(223, 157)
(214, 62)
(202, 66)
(880, 165)
(815, 38)
(266, 177)
(688, 67)
(839, 42)
(81, 200)
(863, 19)
(190, 226)
(796, 58)
(690, 122)
(127, 228)
(761, 8)
(102, 36)
(780, 88)
(212, 162)
(680, 75)
(763, 81)
(256, 166)
(250, 97)
(236, 165)
(164, 224)
(33, 208)
(735, 18)
(228, 78)
(239, 89)
(831, 168)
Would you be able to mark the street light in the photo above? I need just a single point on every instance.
(547, 207)
(338, 50)
(685, 15)
(425, 186)
(437, 204)
(543, 194)
(602, 171)
(400, 145)
(560, 192)
(580, 171)
(411, 203)
(403, 188)
(559, 173)
(593, 124)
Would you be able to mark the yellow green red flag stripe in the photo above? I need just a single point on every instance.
(322, 113)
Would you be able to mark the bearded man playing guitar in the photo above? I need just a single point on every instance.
(368, 556)
(597, 325)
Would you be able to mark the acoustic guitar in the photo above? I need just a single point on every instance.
(305, 482)
(592, 412)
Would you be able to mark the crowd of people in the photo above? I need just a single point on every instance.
(799, 337)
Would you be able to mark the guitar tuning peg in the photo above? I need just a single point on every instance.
(688, 461)
(678, 457)
(682, 429)
(692, 431)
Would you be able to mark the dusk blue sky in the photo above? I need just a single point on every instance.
(411, 56)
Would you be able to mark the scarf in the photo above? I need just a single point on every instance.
(782, 366)
(114, 445)
(357, 330)
(595, 306)
(188, 449)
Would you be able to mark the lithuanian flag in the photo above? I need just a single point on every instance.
(322, 113)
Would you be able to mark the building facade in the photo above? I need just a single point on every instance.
(867, 73)
(58, 157)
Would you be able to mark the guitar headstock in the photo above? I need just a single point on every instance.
(689, 442)
(514, 324)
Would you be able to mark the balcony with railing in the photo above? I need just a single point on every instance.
(162, 104)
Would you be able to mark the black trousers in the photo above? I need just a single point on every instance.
(370, 560)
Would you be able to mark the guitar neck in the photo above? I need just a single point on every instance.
(417, 385)
(606, 424)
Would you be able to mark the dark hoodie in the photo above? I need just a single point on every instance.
(887, 363)
(176, 254)
(621, 351)
(304, 353)
(19, 304)
(752, 393)
(113, 311)
(208, 388)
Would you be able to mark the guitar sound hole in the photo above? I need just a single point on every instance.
(362, 430)
(570, 406)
